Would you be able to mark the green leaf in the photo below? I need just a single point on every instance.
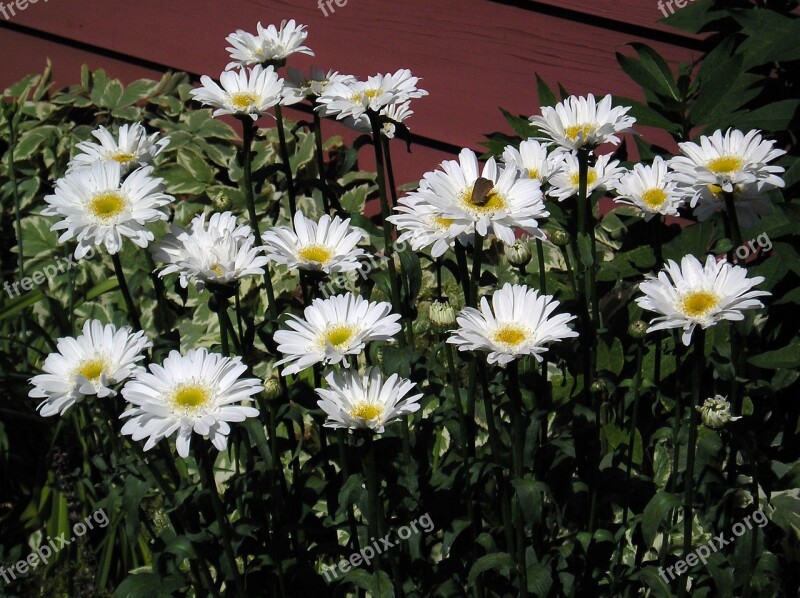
(519, 124)
(656, 512)
(546, 95)
(138, 90)
(501, 561)
(659, 70)
(778, 116)
(21, 303)
(780, 359)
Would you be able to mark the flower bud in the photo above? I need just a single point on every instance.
(716, 412)
(560, 238)
(442, 315)
(518, 254)
(638, 329)
(221, 201)
(272, 389)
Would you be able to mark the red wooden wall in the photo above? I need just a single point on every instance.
(473, 55)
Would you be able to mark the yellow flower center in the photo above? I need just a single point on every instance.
(316, 253)
(217, 269)
(243, 100)
(340, 336)
(510, 335)
(92, 369)
(725, 164)
(107, 205)
(654, 197)
(123, 157)
(573, 131)
(189, 398)
(367, 411)
(698, 303)
(533, 173)
(591, 178)
(366, 96)
(442, 222)
(492, 202)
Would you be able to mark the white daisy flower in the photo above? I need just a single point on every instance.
(298, 87)
(353, 100)
(506, 202)
(249, 92)
(218, 251)
(329, 246)
(650, 189)
(367, 401)
(531, 159)
(132, 148)
(729, 160)
(91, 364)
(198, 392)
(271, 45)
(692, 294)
(750, 201)
(582, 122)
(564, 183)
(98, 208)
(423, 225)
(334, 328)
(519, 322)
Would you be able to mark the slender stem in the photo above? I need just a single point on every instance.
(389, 170)
(287, 165)
(209, 481)
(320, 157)
(385, 213)
(519, 452)
(733, 220)
(698, 361)
(542, 289)
(463, 271)
(374, 503)
(222, 314)
(751, 558)
(476, 269)
(340, 441)
(133, 313)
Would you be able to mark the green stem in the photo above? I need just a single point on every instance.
(519, 454)
(287, 165)
(340, 441)
(320, 157)
(373, 497)
(698, 361)
(733, 220)
(133, 313)
(477, 256)
(385, 213)
(542, 289)
(209, 481)
(463, 271)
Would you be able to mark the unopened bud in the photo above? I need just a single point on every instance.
(560, 238)
(221, 201)
(638, 329)
(599, 386)
(716, 412)
(272, 389)
(442, 315)
(518, 254)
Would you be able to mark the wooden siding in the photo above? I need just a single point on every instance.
(474, 55)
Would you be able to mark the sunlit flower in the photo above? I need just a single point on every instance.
(729, 160)
(98, 208)
(271, 45)
(198, 392)
(650, 189)
(353, 100)
(332, 329)
(566, 180)
(131, 148)
(423, 225)
(91, 364)
(329, 246)
(692, 294)
(508, 202)
(298, 87)
(582, 122)
(249, 92)
(218, 251)
(367, 401)
(518, 253)
(519, 322)
(531, 159)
